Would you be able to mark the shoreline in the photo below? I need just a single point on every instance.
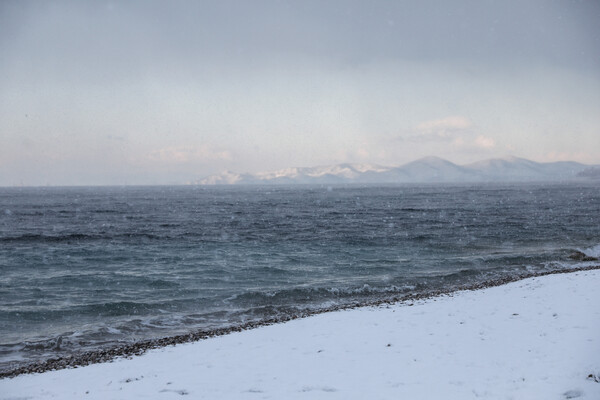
(141, 347)
(532, 339)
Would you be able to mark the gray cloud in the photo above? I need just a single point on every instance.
(103, 41)
(306, 82)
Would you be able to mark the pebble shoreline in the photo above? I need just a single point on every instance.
(139, 348)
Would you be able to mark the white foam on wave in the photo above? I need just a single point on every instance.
(592, 251)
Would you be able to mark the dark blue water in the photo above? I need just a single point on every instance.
(100, 266)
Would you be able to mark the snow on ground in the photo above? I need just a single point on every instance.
(534, 339)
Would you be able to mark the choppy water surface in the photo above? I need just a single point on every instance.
(82, 268)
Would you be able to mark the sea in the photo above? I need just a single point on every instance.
(86, 268)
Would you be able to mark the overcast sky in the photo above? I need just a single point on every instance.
(159, 92)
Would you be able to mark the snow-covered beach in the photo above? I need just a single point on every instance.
(538, 338)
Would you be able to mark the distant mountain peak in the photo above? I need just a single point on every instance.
(426, 169)
(432, 160)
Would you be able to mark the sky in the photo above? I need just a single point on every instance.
(156, 92)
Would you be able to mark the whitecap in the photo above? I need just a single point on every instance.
(592, 251)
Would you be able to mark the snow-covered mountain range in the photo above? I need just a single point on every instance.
(424, 170)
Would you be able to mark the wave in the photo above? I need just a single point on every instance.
(162, 284)
(410, 282)
(593, 252)
(36, 238)
(78, 237)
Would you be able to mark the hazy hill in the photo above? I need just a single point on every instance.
(590, 173)
(428, 169)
